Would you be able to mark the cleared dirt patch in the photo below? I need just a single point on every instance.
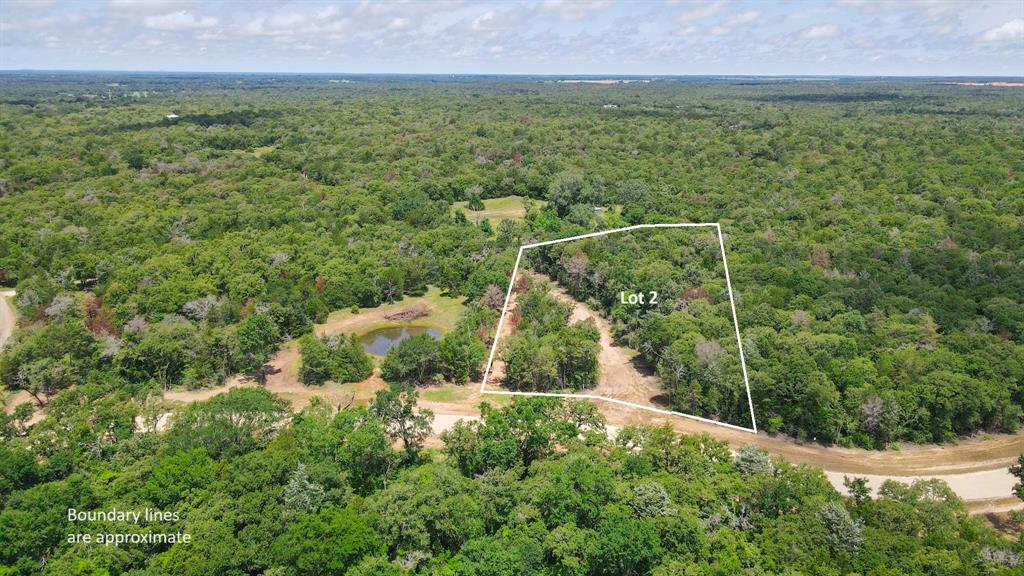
(442, 312)
(623, 376)
(7, 316)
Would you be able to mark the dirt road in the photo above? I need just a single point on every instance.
(975, 468)
(620, 378)
(7, 317)
(7, 321)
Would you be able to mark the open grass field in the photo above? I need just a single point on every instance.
(445, 394)
(443, 314)
(504, 208)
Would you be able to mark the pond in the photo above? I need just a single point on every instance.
(379, 341)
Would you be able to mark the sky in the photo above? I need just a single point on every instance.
(779, 37)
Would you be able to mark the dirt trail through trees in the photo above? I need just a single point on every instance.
(620, 377)
(7, 317)
(976, 468)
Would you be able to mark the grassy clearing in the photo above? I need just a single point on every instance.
(495, 209)
(445, 394)
(444, 314)
(359, 393)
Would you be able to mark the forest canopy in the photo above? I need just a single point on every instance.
(171, 232)
(874, 228)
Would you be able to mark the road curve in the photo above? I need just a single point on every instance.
(983, 491)
(975, 468)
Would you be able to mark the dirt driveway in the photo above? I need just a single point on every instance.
(7, 316)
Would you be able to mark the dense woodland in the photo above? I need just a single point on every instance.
(874, 228)
(534, 488)
(875, 234)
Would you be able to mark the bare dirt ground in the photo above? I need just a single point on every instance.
(620, 377)
(8, 319)
(7, 316)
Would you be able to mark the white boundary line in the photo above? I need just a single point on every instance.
(732, 305)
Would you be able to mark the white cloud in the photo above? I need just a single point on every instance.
(295, 25)
(573, 9)
(820, 32)
(25, 23)
(1012, 31)
(857, 36)
(493, 22)
(180, 20)
(743, 18)
(736, 20)
(700, 11)
(146, 7)
(32, 4)
(485, 22)
(398, 24)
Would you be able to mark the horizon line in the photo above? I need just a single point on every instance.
(500, 74)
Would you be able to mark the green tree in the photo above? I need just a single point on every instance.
(475, 204)
(178, 476)
(328, 542)
(162, 352)
(566, 190)
(233, 423)
(413, 361)
(396, 408)
(45, 360)
(1017, 470)
(515, 435)
(752, 459)
(316, 361)
(257, 335)
(18, 470)
(843, 533)
(349, 362)
(460, 355)
(302, 495)
(624, 545)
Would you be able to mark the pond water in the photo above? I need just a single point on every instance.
(379, 341)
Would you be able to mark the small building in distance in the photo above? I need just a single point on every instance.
(171, 116)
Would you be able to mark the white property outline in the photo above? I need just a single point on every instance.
(732, 305)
